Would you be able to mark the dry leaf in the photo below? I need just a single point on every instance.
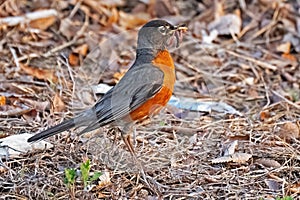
(252, 92)
(109, 16)
(45, 74)
(268, 162)
(289, 57)
(113, 18)
(289, 130)
(272, 184)
(18, 143)
(43, 23)
(2, 100)
(74, 59)
(8, 110)
(249, 81)
(31, 116)
(295, 188)
(37, 105)
(82, 49)
(68, 28)
(265, 114)
(219, 9)
(3, 169)
(119, 75)
(236, 157)
(230, 148)
(131, 21)
(161, 8)
(240, 157)
(284, 48)
(104, 179)
(226, 25)
(29, 16)
(223, 159)
(58, 104)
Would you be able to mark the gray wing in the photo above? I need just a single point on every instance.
(135, 88)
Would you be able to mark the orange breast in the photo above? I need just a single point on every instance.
(163, 61)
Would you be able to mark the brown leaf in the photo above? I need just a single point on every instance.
(284, 48)
(82, 49)
(45, 74)
(130, 21)
(8, 110)
(2, 100)
(107, 11)
(289, 57)
(240, 157)
(289, 130)
(236, 157)
(268, 162)
(68, 28)
(58, 104)
(31, 116)
(113, 18)
(38, 105)
(295, 188)
(118, 75)
(252, 92)
(43, 23)
(265, 114)
(109, 16)
(223, 159)
(74, 59)
(3, 169)
(161, 8)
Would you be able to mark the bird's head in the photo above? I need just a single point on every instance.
(159, 34)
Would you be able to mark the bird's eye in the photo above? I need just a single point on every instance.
(162, 29)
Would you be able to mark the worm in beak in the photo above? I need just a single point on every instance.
(179, 30)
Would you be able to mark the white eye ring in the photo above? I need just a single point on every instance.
(162, 29)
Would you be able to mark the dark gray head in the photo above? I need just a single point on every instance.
(156, 34)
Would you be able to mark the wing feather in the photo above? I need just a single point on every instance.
(137, 86)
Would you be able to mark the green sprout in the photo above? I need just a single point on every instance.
(70, 175)
(85, 174)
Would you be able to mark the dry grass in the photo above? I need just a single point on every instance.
(176, 153)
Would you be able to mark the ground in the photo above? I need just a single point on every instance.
(244, 54)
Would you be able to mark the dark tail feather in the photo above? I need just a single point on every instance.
(65, 125)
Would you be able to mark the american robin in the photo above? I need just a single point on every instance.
(143, 91)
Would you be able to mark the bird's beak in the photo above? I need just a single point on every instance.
(178, 33)
(181, 27)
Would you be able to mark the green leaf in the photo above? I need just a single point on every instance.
(284, 198)
(95, 176)
(85, 170)
(70, 175)
(162, 123)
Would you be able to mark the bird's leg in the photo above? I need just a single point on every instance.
(115, 136)
(125, 132)
(127, 140)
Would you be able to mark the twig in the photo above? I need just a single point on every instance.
(258, 62)
(285, 99)
(13, 21)
(13, 52)
(267, 92)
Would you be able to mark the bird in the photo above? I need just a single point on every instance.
(142, 92)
